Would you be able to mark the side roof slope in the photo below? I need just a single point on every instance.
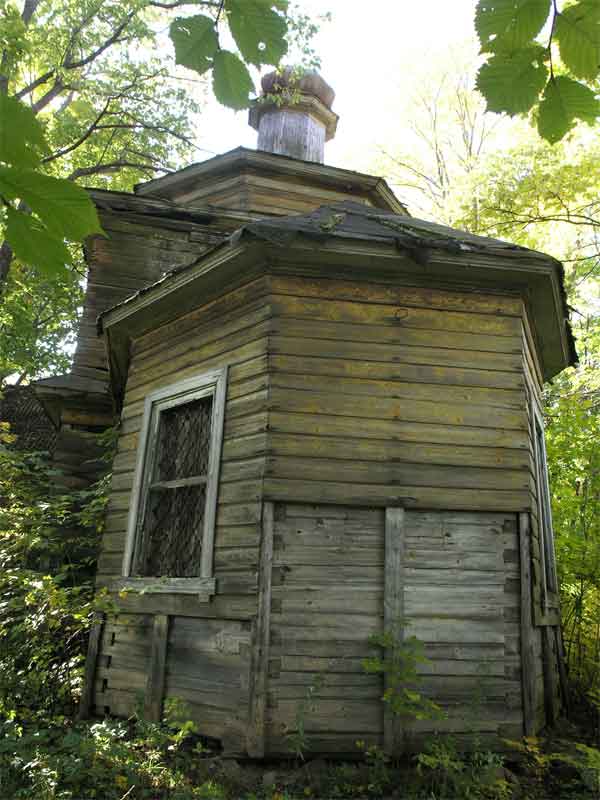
(465, 257)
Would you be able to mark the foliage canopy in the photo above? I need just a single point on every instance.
(541, 56)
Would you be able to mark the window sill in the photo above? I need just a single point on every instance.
(203, 588)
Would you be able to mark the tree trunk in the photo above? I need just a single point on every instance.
(6, 257)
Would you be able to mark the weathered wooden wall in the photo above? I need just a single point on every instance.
(546, 617)
(327, 600)
(396, 396)
(232, 331)
(135, 252)
(343, 399)
(260, 193)
(460, 595)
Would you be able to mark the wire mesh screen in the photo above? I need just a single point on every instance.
(170, 543)
(183, 445)
(172, 538)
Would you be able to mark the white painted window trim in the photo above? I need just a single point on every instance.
(207, 383)
(544, 505)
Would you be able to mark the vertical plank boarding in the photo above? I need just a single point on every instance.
(155, 685)
(527, 644)
(393, 610)
(261, 640)
(562, 670)
(550, 663)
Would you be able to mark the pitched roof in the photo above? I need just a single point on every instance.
(234, 162)
(349, 220)
(434, 251)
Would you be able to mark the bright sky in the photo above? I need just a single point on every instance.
(372, 53)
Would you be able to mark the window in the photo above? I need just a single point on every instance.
(172, 517)
(549, 580)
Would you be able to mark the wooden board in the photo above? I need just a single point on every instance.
(321, 622)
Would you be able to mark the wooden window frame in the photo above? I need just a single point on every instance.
(213, 383)
(546, 532)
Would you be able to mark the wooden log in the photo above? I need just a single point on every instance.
(399, 315)
(398, 296)
(527, 643)
(260, 648)
(549, 659)
(393, 612)
(87, 697)
(156, 672)
(562, 670)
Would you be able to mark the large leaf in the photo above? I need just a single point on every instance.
(65, 208)
(22, 140)
(258, 30)
(513, 82)
(33, 244)
(509, 24)
(195, 41)
(232, 83)
(565, 101)
(577, 30)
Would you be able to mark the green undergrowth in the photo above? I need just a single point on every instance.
(48, 545)
(107, 759)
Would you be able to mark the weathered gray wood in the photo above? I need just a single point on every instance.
(177, 484)
(216, 445)
(550, 663)
(393, 612)
(260, 649)
(87, 697)
(155, 685)
(401, 298)
(527, 643)
(202, 588)
(562, 670)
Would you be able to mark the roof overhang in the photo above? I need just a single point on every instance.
(71, 390)
(537, 280)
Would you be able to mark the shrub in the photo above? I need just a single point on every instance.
(48, 548)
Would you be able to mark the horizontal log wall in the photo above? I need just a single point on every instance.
(196, 665)
(135, 252)
(264, 194)
(550, 614)
(343, 395)
(327, 599)
(396, 396)
(460, 598)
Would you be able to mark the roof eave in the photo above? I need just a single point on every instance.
(242, 258)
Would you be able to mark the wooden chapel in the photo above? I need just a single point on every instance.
(329, 426)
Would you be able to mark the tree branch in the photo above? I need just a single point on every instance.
(112, 39)
(84, 136)
(47, 98)
(114, 166)
(29, 10)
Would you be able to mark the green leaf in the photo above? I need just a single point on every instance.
(513, 82)
(577, 30)
(195, 41)
(258, 30)
(564, 101)
(65, 208)
(33, 244)
(509, 24)
(232, 83)
(22, 141)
